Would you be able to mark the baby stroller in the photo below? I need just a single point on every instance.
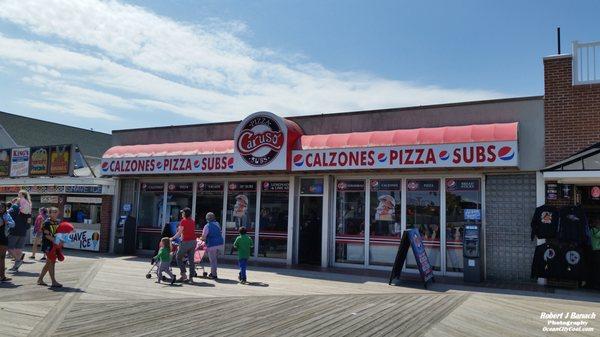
(155, 263)
(199, 256)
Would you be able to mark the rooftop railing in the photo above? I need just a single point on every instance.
(586, 64)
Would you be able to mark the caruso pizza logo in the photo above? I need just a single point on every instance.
(260, 140)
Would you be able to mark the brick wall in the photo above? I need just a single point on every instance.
(510, 201)
(105, 222)
(572, 113)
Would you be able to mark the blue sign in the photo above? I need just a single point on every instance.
(416, 243)
(472, 214)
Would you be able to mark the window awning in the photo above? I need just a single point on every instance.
(170, 149)
(424, 136)
(483, 145)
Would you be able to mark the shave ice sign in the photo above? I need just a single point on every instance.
(492, 154)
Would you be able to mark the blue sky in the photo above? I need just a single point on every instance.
(123, 64)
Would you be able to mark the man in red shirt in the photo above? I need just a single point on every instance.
(186, 231)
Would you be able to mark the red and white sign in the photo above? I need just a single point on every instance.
(168, 165)
(492, 154)
(263, 141)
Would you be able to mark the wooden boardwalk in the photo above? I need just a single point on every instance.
(111, 297)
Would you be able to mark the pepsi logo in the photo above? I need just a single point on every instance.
(506, 153)
(171, 187)
(341, 186)
(595, 192)
(412, 185)
(105, 166)
(230, 162)
(298, 160)
(266, 185)
(159, 164)
(201, 186)
(444, 155)
(382, 157)
(232, 186)
(451, 183)
(196, 163)
(374, 183)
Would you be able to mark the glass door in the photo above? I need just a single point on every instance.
(209, 198)
(423, 212)
(310, 229)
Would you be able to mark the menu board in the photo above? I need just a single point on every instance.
(4, 162)
(60, 159)
(38, 163)
(275, 186)
(19, 162)
(210, 187)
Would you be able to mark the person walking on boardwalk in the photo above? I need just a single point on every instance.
(243, 243)
(164, 260)
(49, 230)
(21, 213)
(187, 247)
(211, 234)
(6, 222)
(37, 232)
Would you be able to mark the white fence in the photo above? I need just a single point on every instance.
(586, 65)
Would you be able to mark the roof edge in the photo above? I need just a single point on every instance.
(414, 107)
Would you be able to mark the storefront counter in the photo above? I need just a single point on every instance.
(85, 237)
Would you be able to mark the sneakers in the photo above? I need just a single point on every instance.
(173, 279)
(43, 259)
(211, 276)
(32, 257)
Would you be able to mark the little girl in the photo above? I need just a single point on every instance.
(164, 260)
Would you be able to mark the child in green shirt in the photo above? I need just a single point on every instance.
(164, 260)
(243, 243)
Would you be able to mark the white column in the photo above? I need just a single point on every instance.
(115, 214)
(257, 216)
(367, 230)
(291, 217)
(326, 223)
(540, 189)
(443, 225)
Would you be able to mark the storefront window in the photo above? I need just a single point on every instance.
(151, 205)
(311, 186)
(350, 222)
(423, 212)
(209, 198)
(386, 227)
(463, 206)
(82, 210)
(272, 236)
(241, 211)
(179, 196)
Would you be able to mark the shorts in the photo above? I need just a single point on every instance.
(16, 242)
(37, 235)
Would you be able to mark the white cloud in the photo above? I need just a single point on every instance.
(109, 55)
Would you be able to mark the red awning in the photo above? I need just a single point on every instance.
(170, 149)
(441, 135)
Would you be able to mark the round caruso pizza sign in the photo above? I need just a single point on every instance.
(261, 143)
(260, 140)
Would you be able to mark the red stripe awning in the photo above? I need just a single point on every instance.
(441, 135)
(170, 149)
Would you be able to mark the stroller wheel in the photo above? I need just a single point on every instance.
(204, 274)
(164, 278)
(148, 276)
